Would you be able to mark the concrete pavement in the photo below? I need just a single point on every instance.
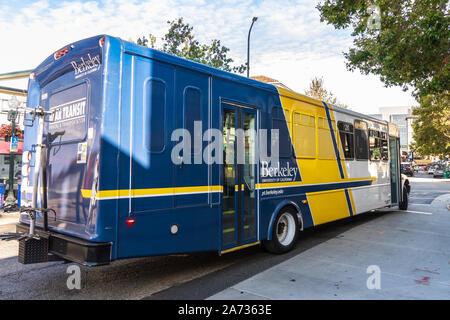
(329, 262)
(411, 250)
(123, 279)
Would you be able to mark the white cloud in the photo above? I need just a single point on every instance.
(288, 41)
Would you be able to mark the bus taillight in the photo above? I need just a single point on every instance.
(60, 53)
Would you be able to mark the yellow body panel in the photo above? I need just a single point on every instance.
(328, 206)
(323, 167)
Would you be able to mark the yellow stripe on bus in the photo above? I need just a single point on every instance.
(301, 183)
(86, 193)
(240, 247)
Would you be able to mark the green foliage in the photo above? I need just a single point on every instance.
(180, 41)
(432, 128)
(317, 91)
(410, 48)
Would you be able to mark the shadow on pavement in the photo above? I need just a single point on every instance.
(253, 260)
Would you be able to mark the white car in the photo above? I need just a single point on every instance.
(431, 170)
(439, 172)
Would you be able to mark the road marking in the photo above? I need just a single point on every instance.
(428, 191)
(369, 230)
(421, 198)
(426, 270)
(427, 213)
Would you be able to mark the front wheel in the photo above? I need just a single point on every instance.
(403, 205)
(284, 233)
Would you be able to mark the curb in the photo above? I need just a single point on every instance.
(441, 202)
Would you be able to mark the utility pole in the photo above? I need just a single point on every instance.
(248, 46)
(12, 114)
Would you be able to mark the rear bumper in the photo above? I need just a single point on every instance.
(74, 249)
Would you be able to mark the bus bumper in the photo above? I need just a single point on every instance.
(66, 247)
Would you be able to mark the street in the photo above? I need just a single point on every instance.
(411, 249)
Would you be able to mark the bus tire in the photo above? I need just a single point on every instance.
(284, 232)
(403, 205)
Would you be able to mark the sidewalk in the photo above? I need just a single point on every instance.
(410, 248)
(441, 203)
(9, 217)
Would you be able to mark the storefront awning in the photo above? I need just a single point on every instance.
(4, 147)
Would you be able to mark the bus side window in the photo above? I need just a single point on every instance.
(347, 136)
(279, 122)
(154, 116)
(325, 143)
(361, 140)
(384, 147)
(192, 113)
(375, 145)
(304, 135)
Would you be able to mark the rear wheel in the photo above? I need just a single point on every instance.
(403, 205)
(284, 233)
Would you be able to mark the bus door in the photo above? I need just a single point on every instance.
(394, 149)
(239, 176)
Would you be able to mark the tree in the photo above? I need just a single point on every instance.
(432, 128)
(180, 41)
(317, 90)
(406, 43)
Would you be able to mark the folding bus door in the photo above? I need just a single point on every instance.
(239, 176)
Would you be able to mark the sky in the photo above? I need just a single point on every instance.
(288, 41)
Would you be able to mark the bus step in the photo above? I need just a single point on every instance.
(32, 250)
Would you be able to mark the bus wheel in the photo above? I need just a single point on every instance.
(284, 233)
(403, 205)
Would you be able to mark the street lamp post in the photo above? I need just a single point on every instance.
(12, 114)
(248, 46)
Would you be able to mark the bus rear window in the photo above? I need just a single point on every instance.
(68, 121)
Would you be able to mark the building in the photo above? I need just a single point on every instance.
(403, 118)
(6, 94)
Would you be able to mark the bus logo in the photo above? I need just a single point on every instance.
(85, 65)
(277, 171)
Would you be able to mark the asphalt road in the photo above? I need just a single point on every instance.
(196, 276)
(426, 188)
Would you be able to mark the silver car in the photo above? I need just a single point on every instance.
(439, 172)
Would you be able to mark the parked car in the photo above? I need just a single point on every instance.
(431, 170)
(407, 169)
(438, 172)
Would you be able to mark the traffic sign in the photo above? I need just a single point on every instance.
(14, 145)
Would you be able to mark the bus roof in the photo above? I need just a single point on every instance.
(182, 62)
(298, 96)
(171, 59)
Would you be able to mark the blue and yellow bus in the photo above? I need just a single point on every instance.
(145, 153)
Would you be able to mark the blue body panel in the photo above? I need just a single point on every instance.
(125, 158)
(61, 84)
